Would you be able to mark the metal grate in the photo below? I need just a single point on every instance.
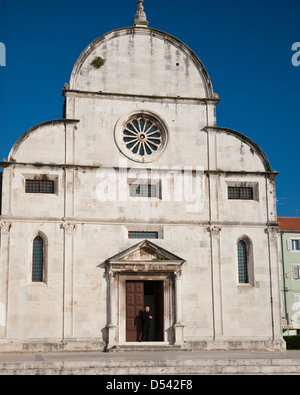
(143, 235)
(37, 260)
(39, 186)
(143, 190)
(244, 193)
(242, 262)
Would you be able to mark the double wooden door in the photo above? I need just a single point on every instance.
(137, 294)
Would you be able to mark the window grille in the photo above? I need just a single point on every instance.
(39, 186)
(143, 190)
(242, 262)
(243, 193)
(38, 260)
(143, 235)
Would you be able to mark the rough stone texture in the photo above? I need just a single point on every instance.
(151, 363)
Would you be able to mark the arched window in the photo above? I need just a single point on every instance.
(38, 260)
(243, 262)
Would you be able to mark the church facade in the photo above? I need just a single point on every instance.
(136, 197)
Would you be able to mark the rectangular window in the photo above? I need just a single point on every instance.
(143, 235)
(242, 193)
(296, 302)
(39, 186)
(296, 272)
(295, 245)
(296, 309)
(144, 190)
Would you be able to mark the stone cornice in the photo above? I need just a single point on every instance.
(110, 95)
(255, 148)
(5, 164)
(93, 221)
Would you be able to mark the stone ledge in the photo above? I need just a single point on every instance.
(57, 345)
(51, 345)
(145, 347)
(237, 345)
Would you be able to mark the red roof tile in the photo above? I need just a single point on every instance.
(289, 223)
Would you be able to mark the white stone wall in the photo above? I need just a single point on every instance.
(139, 61)
(82, 231)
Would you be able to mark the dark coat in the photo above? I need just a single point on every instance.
(146, 319)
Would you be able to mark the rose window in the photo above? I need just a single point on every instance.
(142, 137)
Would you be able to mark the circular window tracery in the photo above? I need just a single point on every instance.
(141, 137)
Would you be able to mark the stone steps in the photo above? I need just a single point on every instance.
(155, 367)
(145, 347)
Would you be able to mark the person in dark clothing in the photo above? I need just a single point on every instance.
(146, 324)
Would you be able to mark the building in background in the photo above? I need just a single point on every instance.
(137, 197)
(290, 273)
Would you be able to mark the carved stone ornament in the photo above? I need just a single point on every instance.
(69, 228)
(111, 274)
(140, 18)
(177, 274)
(5, 226)
(272, 231)
(215, 230)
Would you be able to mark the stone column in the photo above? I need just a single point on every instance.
(178, 326)
(112, 325)
(216, 281)
(69, 232)
(4, 277)
(274, 279)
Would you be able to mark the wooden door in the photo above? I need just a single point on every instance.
(134, 310)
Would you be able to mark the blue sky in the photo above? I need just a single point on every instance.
(244, 45)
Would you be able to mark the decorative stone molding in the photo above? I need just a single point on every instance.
(144, 257)
(5, 226)
(69, 228)
(177, 274)
(215, 230)
(111, 274)
(141, 136)
(272, 231)
(140, 18)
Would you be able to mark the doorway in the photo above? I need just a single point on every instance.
(138, 295)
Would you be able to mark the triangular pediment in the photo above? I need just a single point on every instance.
(145, 251)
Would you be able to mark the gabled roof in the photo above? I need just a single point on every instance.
(145, 251)
(145, 257)
(289, 223)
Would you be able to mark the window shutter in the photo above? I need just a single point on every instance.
(296, 272)
(289, 245)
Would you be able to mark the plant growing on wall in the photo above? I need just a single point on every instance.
(98, 62)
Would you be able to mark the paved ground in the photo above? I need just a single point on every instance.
(140, 355)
